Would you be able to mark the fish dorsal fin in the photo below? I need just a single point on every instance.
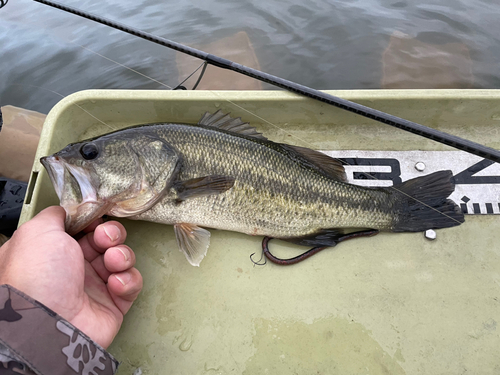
(321, 162)
(193, 241)
(223, 121)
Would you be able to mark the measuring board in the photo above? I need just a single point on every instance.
(477, 180)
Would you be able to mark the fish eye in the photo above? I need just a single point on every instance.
(89, 151)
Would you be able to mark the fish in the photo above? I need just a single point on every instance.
(222, 173)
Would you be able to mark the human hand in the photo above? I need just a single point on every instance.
(91, 282)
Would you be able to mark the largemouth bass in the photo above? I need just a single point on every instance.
(221, 173)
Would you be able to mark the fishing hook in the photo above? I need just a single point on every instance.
(259, 262)
(309, 253)
(3, 3)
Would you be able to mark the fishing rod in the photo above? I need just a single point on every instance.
(410, 126)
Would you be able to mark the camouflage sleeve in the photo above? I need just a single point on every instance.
(35, 340)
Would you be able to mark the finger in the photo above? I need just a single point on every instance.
(89, 248)
(105, 235)
(99, 267)
(115, 259)
(119, 258)
(124, 287)
(109, 234)
(91, 227)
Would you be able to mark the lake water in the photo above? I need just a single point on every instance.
(363, 44)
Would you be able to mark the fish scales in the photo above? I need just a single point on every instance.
(221, 173)
(272, 195)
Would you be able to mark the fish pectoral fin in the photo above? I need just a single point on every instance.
(329, 166)
(223, 121)
(331, 236)
(198, 187)
(193, 241)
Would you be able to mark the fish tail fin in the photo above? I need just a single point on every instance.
(424, 203)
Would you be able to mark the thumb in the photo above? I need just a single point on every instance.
(49, 219)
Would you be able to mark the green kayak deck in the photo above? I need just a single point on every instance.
(390, 304)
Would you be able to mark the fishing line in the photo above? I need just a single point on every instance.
(310, 145)
(204, 64)
(62, 96)
(201, 76)
(126, 67)
(123, 66)
(410, 126)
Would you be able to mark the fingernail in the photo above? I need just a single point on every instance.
(125, 253)
(124, 278)
(112, 231)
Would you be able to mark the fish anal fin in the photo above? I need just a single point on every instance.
(331, 236)
(223, 121)
(193, 241)
(329, 166)
(202, 186)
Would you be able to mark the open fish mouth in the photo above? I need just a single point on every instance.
(73, 186)
(55, 169)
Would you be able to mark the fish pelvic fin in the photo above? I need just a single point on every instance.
(193, 241)
(223, 121)
(423, 203)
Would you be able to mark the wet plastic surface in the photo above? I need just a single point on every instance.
(393, 303)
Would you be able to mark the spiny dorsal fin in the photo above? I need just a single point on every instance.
(223, 121)
(321, 162)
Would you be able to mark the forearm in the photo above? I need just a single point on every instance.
(34, 336)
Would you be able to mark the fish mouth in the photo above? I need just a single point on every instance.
(55, 169)
(77, 195)
(72, 184)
